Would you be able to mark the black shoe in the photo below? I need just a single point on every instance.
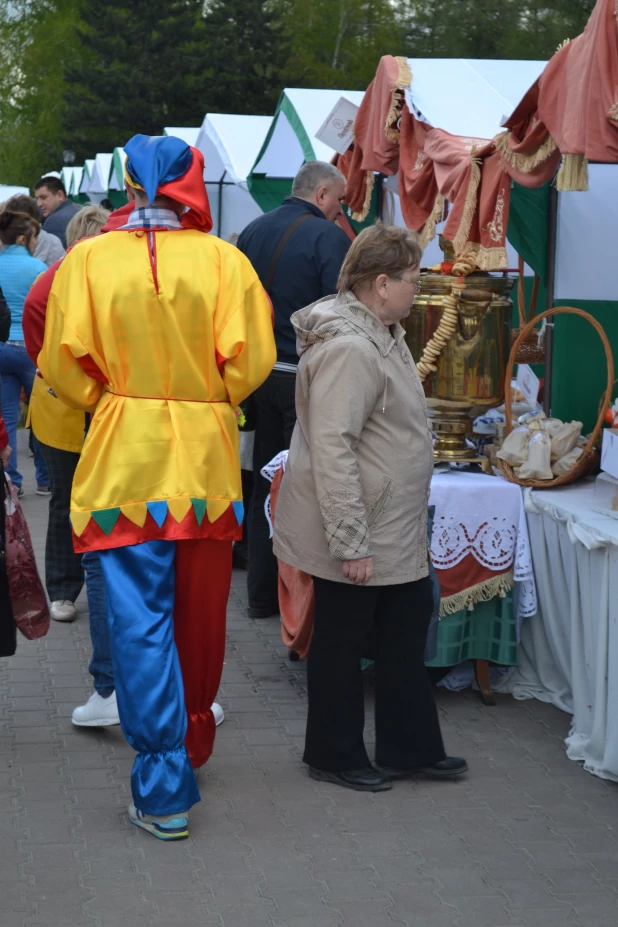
(368, 779)
(449, 768)
(263, 611)
(20, 492)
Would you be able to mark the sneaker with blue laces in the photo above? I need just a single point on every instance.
(163, 826)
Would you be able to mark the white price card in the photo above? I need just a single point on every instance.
(337, 131)
(528, 383)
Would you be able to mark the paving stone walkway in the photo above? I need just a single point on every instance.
(527, 840)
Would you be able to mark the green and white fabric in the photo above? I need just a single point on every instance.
(291, 141)
(585, 277)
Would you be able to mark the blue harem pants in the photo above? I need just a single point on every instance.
(144, 604)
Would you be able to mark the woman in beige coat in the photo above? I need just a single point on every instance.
(352, 512)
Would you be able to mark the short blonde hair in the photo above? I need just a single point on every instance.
(379, 249)
(87, 222)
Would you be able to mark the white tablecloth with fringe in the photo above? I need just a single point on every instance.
(569, 652)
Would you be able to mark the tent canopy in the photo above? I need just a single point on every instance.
(188, 135)
(230, 144)
(84, 186)
(116, 174)
(291, 141)
(99, 180)
(468, 97)
(76, 181)
(66, 175)
(7, 191)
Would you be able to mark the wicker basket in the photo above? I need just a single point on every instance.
(529, 352)
(589, 459)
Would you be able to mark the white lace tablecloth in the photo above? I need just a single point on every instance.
(484, 516)
(569, 654)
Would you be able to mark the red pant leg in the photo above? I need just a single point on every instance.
(203, 578)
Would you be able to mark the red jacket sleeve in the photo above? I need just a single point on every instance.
(35, 310)
(4, 438)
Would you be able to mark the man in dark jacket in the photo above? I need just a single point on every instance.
(57, 210)
(307, 268)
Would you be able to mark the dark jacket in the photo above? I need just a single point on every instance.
(5, 318)
(57, 221)
(307, 270)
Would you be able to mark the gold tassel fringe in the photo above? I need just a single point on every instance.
(404, 79)
(492, 258)
(482, 592)
(460, 240)
(370, 180)
(563, 44)
(428, 232)
(524, 162)
(613, 111)
(573, 173)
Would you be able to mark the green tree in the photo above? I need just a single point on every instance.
(244, 55)
(36, 40)
(141, 68)
(492, 28)
(338, 43)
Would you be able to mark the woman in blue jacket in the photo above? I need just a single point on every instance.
(18, 271)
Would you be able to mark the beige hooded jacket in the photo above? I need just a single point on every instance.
(360, 463)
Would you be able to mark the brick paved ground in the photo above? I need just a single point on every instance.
(527, 840)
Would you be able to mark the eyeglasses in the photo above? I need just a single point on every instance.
(417, 284)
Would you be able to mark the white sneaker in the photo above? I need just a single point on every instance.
(63, 610)
(163, 826)
(218, 713)
(97, 712)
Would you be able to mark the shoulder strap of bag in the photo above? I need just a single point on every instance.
(270, 273)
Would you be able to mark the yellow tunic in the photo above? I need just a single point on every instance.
(53, 423)
(180, 327)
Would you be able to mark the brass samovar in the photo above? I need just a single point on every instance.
(470, 373)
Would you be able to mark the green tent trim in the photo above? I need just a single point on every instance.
(270, 192)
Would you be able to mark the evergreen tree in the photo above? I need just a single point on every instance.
(338, 43)
(492, 28)
(36, 39)
(245, 54)
(142, 68)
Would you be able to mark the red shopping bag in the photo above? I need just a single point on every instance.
(28, 599)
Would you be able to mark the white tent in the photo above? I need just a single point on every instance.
(84, 185)
(7, 191)
(230, 145)
(187, 135)
(99, 180)
(291, 141)
(66, 176)
(76, 181)
(116, 172)
(466, 97)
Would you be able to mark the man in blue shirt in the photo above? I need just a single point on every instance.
(56, 209)
(304, 270)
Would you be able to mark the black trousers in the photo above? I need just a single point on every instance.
(64, 574)
(407, 726)
(275, 410)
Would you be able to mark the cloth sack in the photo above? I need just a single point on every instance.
(28, 598)
(537, 466)
(565, 464)
(8, 637)
(564, 439)
(514, 448)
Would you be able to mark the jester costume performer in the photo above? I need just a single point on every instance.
(160, 331)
